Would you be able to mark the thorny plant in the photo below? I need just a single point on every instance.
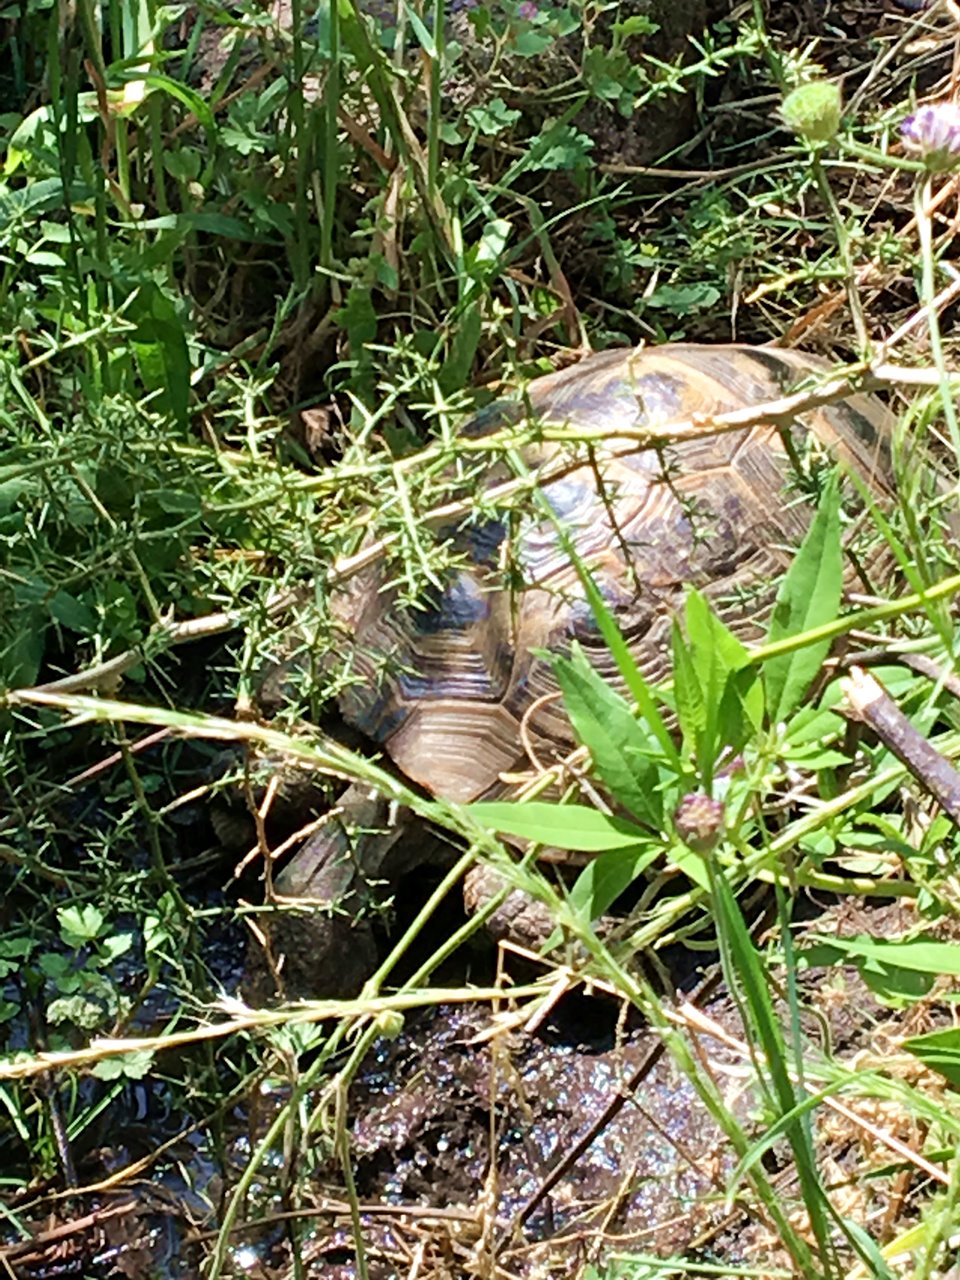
(361, 218)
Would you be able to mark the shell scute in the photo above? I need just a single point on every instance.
(462, 603)
(482, 541)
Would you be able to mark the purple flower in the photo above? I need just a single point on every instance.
(933, 133)
(527, 10)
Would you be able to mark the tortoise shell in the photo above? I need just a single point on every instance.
(444, 689)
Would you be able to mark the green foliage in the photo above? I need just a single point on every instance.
(810, 595)
(624, 751)
(82, 991)
(898, 972)
(565, 826)
(364, 217)
(940, 1051)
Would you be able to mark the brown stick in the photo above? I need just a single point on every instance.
(918, 662)
(868, 702)
(76, 1226)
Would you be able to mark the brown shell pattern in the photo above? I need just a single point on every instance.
(444, 689)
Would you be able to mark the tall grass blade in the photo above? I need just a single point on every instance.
(745, 972)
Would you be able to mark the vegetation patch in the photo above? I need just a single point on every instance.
(266, 279)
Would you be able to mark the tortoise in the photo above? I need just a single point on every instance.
(443, 690)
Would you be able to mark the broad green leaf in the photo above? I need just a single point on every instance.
(79, 925)
(44, 258)
(183, 165)
(358, 317)
(450, 134)
(682, 299)
(79, 1011)
(691, 864)
(72, 613)
(21, 660)
(898, 973)
(12, 490)
(112, 948)
(714, 648)
(161, 351)
(559, 146)
(15, 948)
(493, 117)
(741, 708)
(178, 502)
(637, 24)
(898, 988)
(564, 826)
(817, 724)
(463, 348)
(808, 597)
(920, 954)
(59, 969)
(530, 44)
(133, 1066)
(711, 669)
(606, 877)
(46, 195)
(624, 750)
(712, 644)
(195, 103)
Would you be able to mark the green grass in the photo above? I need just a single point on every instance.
(390, 229)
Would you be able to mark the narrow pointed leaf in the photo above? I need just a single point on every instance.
(940, 1051)
(160, 348)
(922, 955)
(688, 693)
(809, 597)
(607, 876)
(624, 750)
(767, 1033)
(620, 651)
(564, 826)
(722, 662)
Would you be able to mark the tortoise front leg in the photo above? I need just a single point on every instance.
(319, 938)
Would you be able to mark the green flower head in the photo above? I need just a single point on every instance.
(813, 110)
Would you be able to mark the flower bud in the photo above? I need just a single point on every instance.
(813, 110)
(389, 1024)
(699, 822)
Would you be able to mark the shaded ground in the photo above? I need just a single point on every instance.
(427, 1110)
